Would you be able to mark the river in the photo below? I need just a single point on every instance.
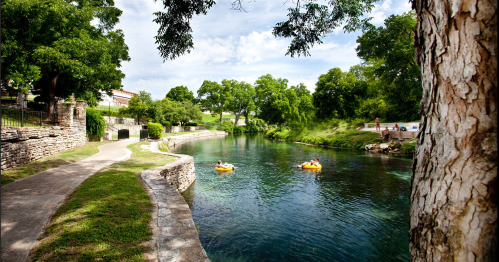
(355, 209)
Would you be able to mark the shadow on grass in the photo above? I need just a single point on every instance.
(30, 169)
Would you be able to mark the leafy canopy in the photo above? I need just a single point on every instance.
(180, 94)
(44, 41)
(214, 97)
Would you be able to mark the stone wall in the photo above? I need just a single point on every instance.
(133, 129)
(181, 173)
(120, 120)
(22, 145)
(175, 237)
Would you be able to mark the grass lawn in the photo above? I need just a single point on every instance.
(107, 217)
(181, 133)
(106, 108)
(59, 159)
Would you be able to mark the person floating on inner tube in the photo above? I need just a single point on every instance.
(311, 163)
(224, 165)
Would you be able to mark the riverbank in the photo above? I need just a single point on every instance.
(341, 135)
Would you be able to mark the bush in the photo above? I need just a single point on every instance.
(155, 130)
(191, 124)
(167, 123)
(408, 148)
(239, 129)
(95, 124)
(227, 126)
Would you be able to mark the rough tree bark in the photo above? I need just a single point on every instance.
(453, 198)
(51, 79)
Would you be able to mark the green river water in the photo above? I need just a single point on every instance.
(355, 209)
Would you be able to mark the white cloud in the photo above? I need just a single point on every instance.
(231, 45)
(255, 46)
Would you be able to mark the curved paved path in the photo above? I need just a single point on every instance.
(29, 203)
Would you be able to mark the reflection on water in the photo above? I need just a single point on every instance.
(355, 209)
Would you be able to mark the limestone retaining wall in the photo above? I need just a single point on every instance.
(133, 129)
(22, 145)
(120, 120)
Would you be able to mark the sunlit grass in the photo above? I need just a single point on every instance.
(55, 160)
(107, 108)
(107, 217)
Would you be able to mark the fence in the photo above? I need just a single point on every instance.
(27, 118)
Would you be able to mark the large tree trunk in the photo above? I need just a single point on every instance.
(51, 78)
(453, 198)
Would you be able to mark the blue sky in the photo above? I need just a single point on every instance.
(231, 44)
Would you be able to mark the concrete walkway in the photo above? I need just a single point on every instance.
(29, 203)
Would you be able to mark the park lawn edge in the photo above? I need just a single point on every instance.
(59, 159)
(107, 217)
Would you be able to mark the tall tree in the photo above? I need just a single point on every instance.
(242, 98)
(214, 97)
(139, 106)
(58, 38)
(454, 182)
(276, 103)
(180, 94)
(335, 94)
(305, 104)
(390, 51)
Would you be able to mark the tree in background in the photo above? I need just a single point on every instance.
(181, 94)
(337, 94)
(278, 104)
(181, 112)
(139, 106)
(242, 98)
(389, 50)
(214, 97)
(45, 40)
(305, 104)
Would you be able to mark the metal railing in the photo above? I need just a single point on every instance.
(25, 117)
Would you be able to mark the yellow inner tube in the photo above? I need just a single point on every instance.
(223, 169)
(312, 167)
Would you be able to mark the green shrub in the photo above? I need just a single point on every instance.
(271, 133)
(257, 125)
(167, 123)
(155, 130)
(227, 126)
(408, 148)
(95, 124)
(191, 124)
(239, 129)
